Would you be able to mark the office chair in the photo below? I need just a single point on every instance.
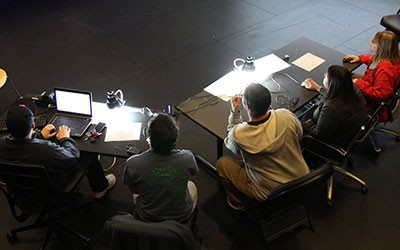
(124, 232)
(284, 210)
(29, 192)
(337, 157)
(392, 105)
(392, 23)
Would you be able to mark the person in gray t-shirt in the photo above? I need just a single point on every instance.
(159, 177)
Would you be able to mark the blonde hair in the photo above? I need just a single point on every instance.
(387, 47)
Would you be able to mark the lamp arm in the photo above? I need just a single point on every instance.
(15, 89)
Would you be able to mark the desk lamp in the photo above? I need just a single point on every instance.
(20, 100)
(248, 64)
(3, 80)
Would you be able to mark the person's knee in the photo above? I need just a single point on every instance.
(193, 192)
(225, 165)
(222, 165)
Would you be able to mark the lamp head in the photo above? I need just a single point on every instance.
(3, 77)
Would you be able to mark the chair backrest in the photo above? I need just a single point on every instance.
(334, 155)
(125, 232)
(392, 22)
(392, 103)
(28, 187)
(295, 189)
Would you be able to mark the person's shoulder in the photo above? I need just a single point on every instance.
(282, 113)
(387, 64)
(183, 153)
(141, 156)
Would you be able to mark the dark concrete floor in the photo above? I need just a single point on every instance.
(161, 52)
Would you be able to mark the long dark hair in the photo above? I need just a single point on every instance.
(341, 87)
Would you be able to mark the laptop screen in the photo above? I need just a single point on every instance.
(73, 101)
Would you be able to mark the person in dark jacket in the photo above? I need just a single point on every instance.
(341, 111)
(61, 159)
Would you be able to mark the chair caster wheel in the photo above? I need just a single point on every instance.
(12, 238)
(364, 189)
(330, 203)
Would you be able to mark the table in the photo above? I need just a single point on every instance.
(112, 117)
(116, 116)
(210, 112)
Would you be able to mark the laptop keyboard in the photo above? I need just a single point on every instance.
(71, 122)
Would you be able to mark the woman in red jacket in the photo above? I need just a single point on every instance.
(383, 70)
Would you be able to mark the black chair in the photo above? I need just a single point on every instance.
(392, 105)
(124, 232)
(30, 192)
(284, 211)
(392, 23)
(338, 157)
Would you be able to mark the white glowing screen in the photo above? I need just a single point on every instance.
(73, 102)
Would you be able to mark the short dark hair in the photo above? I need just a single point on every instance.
(257, 98)
(19, 121)
(163, 131)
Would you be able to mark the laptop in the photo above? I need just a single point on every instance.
(73, 109)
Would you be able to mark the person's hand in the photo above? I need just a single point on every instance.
(63, 132)
(311, 84)
(48, 131)
(351, 58)
(236, 103)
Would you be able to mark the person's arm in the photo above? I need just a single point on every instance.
(383, 84)
(231, 144)
(193, 164)
(365, 59)
(298, 126)
(67, 149)
(234, 119)
(312, 85)
(325, 127)
(128, 178)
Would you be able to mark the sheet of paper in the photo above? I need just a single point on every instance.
(120, 126)
(123, 132)
(236, 81)
(308, 61)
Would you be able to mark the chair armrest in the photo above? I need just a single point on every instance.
(323, 150)
(298, 185)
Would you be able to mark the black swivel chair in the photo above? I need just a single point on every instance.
(124, 232)
(392, 23)
(30, 192)
(284, 210)
(338, 157)
(392, 105)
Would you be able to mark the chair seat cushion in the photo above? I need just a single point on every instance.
(392, 23)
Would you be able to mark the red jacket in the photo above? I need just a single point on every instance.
(378, 84)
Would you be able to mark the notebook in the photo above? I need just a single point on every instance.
(74, 109)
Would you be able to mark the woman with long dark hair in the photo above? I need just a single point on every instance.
(341, 111)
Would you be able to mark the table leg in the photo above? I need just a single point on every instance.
(220, 147)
